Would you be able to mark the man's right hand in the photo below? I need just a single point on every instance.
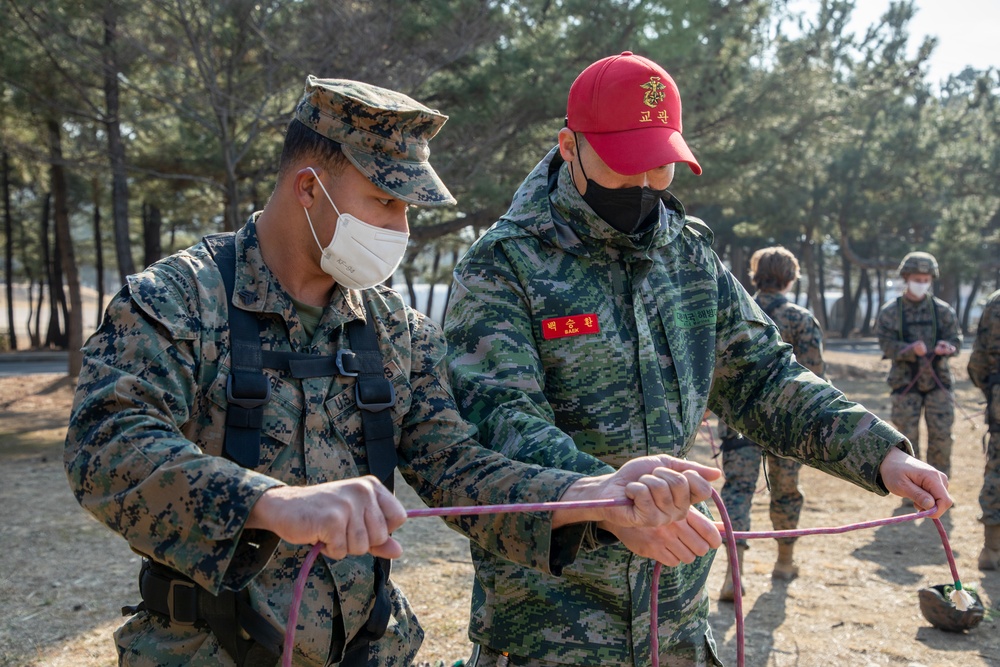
(351, 517)
(674, 543)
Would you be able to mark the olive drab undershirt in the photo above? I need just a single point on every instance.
(672, 334)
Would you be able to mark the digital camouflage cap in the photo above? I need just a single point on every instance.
(383, 133)
(919, 262)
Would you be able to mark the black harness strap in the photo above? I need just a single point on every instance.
(247, 389)
(230, 615)
(373, 393)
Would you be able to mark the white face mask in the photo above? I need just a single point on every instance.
(359, 255)
(918, 289)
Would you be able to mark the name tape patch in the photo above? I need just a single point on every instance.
(571, 325)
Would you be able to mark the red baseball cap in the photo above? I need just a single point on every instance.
(629, 110)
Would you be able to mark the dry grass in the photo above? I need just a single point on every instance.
(63, 576)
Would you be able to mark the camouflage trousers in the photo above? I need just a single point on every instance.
(989, 497)
(484, 656)
(741, 466)
(939, 415)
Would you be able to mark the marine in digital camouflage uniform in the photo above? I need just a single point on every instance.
(984, 371)
(580, 343)
(144, 452)
(772, 270)
(921, 382)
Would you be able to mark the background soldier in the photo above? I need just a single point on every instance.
(984, 370)
(919, 332)
(772, 271)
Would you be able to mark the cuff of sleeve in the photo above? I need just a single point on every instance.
(569, 540)
(566, 543)
(253, 550)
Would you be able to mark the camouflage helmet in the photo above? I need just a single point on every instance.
(383, 133)
(944, 615)
(919, 262)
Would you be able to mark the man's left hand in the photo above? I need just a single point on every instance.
(909, 477)
(662, 489)
(944, 349)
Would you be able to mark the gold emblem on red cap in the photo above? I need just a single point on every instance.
(654, 92)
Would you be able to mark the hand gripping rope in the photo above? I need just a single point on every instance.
(927, 363)
(959, 596)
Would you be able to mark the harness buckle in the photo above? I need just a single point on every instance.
(347, 363)
(254, 399)
(377, 400)
(188, 608)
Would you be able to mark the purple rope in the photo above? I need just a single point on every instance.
(293, 611)
(731, 536)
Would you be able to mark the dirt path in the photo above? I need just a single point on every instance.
(63, 576)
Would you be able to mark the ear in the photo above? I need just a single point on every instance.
(567, 144)
(304, 186)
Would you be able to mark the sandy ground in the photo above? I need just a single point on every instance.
(63, 577)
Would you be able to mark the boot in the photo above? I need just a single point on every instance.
(989, 557)
(727, 594)
(785, 568)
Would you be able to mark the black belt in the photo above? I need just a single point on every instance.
(245, 635)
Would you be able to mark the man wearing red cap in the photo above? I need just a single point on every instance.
(593, 324)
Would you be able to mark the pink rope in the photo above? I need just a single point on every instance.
(729, 534)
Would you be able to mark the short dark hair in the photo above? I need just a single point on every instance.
(303, 142)
(771, 269)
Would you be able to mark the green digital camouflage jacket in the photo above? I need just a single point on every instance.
(144, 452)
(929, 320)
(985, 358)
(576, 346)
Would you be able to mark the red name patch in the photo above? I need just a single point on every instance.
(571, 325)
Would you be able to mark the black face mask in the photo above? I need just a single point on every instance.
(625, 209)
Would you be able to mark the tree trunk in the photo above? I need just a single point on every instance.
(739, 263)
(408, 278)
(880, 277)
(152, 223)
(434, 270)
(451, 283)
(847, 307)
(116, 150)
(35, 334)
(866, 326)
(8, 225)
(970, 302)
(98, 252)
(821, 275)
(74, 320)
(48, 262)
(57, 294)
(232, 190)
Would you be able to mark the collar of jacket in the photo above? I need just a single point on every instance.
(548, 206)
(257, 289)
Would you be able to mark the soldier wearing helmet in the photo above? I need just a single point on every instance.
(919, 332)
